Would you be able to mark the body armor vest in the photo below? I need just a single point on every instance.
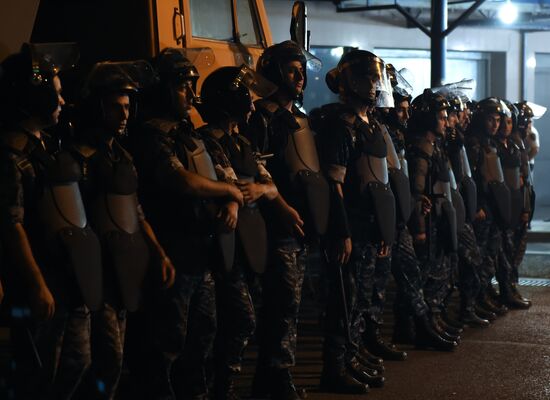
(251, 228)
(200, 162)
(305, 173)
(372, 170)
(61, 211)
(468, 187)
(443, 203)
(512, 179)
(399, 181)
(458, 203)
(494, 179)
(115, 218)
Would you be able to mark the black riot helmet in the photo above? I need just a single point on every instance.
(362, 74)
(525, 115)
(455, 102)
(26, 83)
(424, 110)
(271, 62)
(225, 93)
(483, 109)
(173, 67)
(112, 78)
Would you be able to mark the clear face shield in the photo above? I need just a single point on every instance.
(367, 78)
(254, 82)
(538, 110)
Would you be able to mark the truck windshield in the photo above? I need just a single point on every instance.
(212, 19)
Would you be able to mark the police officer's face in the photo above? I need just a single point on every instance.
(60, 101)
(441, 122)
(402, 112)
(116, 111)
(492, 122)
(506, 126)
(464, 118)
(452, 119)
(294, 77)
(183, 97)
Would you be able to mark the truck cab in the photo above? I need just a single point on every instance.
(230, 32)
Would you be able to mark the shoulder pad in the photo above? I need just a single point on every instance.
(161, 125)
(16, 141)
(266, 105)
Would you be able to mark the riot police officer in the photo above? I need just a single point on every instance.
(493, 197)
(511, 158)
(434, 232)
(226, 105)
(109, 188)
(410, 309)
(469, 256)
(354, 157)
(54, 256)
(193, 215)
(294, 219)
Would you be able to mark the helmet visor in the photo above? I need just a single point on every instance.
(254, 82)
(538, 110)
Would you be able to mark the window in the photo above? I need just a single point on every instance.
(248, 23)
(212, 19)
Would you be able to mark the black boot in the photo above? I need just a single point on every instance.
(485, 313)
(337, 379)
(470, 318)
(451, 321)
(452, 329)
(373, 341)
(488, 303)
(427, 337)
(508, 298)
(365, 354)
(362, 356)
(360, 374)
(515, 292)
(441, 330)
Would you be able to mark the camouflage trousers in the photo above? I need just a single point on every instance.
(281, 297)
(182, 328)
(336, 323)
(406, 271)
(520, 243)
(236, 318)
(62, 347)
(506, 271)
(370, 279)
(470, 263)
(489, 240)
(108, 329)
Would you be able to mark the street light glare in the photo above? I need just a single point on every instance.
(508, 13)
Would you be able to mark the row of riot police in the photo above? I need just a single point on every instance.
(141, 213)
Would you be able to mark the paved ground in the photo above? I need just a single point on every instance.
(508, 361)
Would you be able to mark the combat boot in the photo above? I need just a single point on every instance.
(441, 331)
(517, 294)
(508, 298)
(376, 345)
(362, 375)
(427, 337)
(337, 379)
(449, 327)
(488, 303)
(470, 318)
(485, 313)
